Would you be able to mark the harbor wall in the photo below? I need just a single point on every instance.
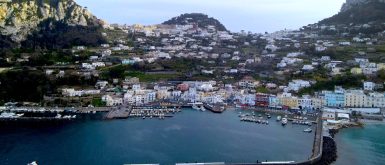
(324, 150)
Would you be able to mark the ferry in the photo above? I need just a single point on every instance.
(214, 108)
(284, 121)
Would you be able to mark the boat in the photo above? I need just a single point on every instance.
(214, 108)
(279, 118)
(308, 130)
(195, 107)
(203, 108)
(268, 116)
(33, 163)
(240, 114)
(284, 121)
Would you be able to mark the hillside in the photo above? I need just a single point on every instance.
(359, 12)
(201, 20)
(30, 22)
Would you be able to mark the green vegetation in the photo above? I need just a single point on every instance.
(22, 85)
(262, 90)
(122, 71)
(97, 102)
(201, 19)
(54, 35)
(346, 81)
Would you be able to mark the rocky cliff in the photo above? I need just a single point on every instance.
(359, 12)
(350, 4)
(19, 18)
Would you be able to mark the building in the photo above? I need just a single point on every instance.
(375, 100)
(356, 71)
(305, 103)
(112, 100)
(262, 100)
(335, 98)
(248, 82)
(355, 98)
(369, 86)
(286, 99)
(274, 101)
(182, 87)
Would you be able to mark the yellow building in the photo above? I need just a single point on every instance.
(356, 71)
(288, 100)
(162, 94)
(381, 66)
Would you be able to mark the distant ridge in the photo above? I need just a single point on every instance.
(359, 12)
(199, 19)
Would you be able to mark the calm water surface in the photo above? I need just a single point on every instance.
(361, 146)
(190, 136)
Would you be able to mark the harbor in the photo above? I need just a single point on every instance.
(150, 141)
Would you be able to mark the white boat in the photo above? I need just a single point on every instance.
(308, 130)
(195, 107)
(32, 163)
(279, 118)
(284, 121)
(203, 108)
(58, 116)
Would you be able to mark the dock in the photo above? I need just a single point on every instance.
(119, 113)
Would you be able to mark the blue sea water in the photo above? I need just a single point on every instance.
(361, 146)
(189, 136)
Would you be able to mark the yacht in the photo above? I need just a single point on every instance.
(284, 121)
(308, 130)
(195, 107)
(33, 163)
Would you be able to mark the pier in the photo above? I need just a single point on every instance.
(142, 112)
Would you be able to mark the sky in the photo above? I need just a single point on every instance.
(250, 15)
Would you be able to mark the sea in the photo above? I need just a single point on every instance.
(189, 137)
(361, 146)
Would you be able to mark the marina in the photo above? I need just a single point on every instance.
(137, 141)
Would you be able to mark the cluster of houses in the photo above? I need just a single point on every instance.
(240, 94)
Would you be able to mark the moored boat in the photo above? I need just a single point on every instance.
(33, 163)
(308, 130)
(284, 121)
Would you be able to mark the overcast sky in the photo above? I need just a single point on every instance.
(236, 15)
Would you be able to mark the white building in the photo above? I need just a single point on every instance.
(369, 86)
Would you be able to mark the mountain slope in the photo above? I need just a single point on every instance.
(201, 20)
(22, 20)
(359, 12)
